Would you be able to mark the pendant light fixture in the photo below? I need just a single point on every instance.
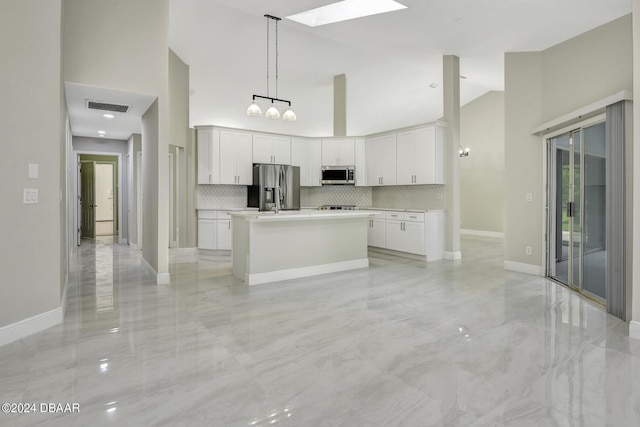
(272, 112)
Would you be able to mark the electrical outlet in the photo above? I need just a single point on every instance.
(528, 250)
(30, 196)
(529, 197)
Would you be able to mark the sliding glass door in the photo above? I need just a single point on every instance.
(577, 189)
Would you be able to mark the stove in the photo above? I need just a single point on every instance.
(337, 207)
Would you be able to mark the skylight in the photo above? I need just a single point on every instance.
(345, 10)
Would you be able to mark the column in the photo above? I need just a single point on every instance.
(451, 93)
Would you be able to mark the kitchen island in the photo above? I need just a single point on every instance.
(269, 247)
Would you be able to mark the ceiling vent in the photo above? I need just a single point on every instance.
(105, 106)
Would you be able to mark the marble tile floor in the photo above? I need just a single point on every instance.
(402, 343)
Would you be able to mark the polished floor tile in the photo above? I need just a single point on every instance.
(402, 343)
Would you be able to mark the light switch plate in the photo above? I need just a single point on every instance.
(30, 196)
(33, 170)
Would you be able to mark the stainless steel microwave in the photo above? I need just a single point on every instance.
(338, 175)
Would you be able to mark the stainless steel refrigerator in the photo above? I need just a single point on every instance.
(275, 187)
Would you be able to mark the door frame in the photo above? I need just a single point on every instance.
(76, 186)
(546, 224)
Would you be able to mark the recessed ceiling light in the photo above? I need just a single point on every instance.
(108, 116)
(345, 10)
(433, 85)
(463, 77)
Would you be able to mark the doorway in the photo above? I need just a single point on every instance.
(577, 252)
(98, 196)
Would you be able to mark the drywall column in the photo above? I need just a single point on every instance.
(523, 163)
(31, 261)
(634, 326)
(340, 105)
(451, 89)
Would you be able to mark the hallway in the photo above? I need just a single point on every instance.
(401, 343)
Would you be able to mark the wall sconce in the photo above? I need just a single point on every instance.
(463, 152)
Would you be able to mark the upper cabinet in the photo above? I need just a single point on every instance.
(338, 152)
(420, 156)
(208, 164)
(381, 160)
(307, 154)
(271, 149)
(236, 166)
(361, 163)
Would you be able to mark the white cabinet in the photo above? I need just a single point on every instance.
(223, 232)
(307, 154)
(271, 149)
(214, 230)
(417, 233)
(338, 152)
(376, 231)
(405, 232)
(236, 158)
(207, 227)
(208, 150)
(381, 160)
(420, 156)
(361, 170)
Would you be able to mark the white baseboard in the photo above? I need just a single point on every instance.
(187, 251)
(398, 253)
(482, 233)
(63, 298)
(634, 329)
(30, 326)
(161, 278)
(452, 255)
(523, 268)
(296, 273)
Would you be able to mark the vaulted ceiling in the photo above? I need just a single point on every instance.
(389, 59)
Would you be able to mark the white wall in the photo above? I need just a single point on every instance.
(30, 119)
(540, 86)
(634, 329)
(132, 38)
(482, 172)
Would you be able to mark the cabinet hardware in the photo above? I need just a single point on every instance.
(209, 178)
(229, 225)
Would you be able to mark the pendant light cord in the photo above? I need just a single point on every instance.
(268, 57)
(276, 59)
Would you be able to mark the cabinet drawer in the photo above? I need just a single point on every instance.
(394, 215)
(207, 214)
(414, 216)
(224, 215)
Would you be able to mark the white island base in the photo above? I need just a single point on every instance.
(270, 247)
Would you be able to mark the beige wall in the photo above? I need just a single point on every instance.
(30, 120)
(132, 39)
(134, 144)
(587, 68)
(635, 296)
(151, 194)
(541, 86)
(482, 173)
(180, 146)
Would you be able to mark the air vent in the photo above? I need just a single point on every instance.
(96, 105)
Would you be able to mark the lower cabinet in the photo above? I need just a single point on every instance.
(214, 230)
(418, 233)
(376, 231)
(224, 231)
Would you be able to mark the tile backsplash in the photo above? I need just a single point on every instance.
(399, 197)
(221, 196)
(335, 195)
(427, 197)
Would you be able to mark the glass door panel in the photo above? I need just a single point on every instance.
(577, 190)
(594, 253)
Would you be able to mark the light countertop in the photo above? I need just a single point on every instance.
(301, 215)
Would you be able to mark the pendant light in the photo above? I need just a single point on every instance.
(272, 113)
